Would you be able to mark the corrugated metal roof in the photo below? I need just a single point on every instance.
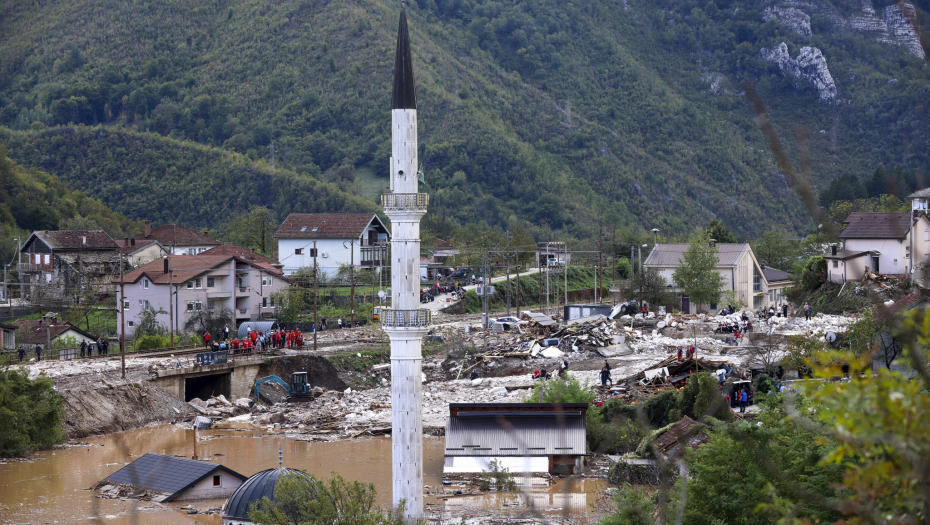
(259, 486)
(728, 254)
(521, 435)
(168, 474)
(257, 326)
(542, 319)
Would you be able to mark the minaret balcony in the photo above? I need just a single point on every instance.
(405, 318)
(400, 202)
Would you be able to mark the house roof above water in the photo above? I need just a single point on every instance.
(168, 474)
(728, 254)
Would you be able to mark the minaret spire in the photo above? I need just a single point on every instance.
(405, 92)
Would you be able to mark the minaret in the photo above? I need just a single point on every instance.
(405, 323)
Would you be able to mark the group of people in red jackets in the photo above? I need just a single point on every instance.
(258, 340)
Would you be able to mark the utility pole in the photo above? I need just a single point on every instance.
(352, 279)
(600, 259)
(122, 318)
(6, 291)
(316, 279)
(507, 234)
(517, 255)
(170, 300)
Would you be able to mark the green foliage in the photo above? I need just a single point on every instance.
(650, 286)
(660, 410)
(568, 390)
(148, 323)
(813, 273)
(701, 398)
(828, 299)
(634, 507)
(774, 249)
(301, 498)
(697, 274)
(290, 302)
(892, 182)
(623, 268)
(498, 477)
(718, 231)
(763, 384)
(255, 230)
(31, 413)
(151, 341)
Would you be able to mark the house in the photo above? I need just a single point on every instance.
(176, 479)
(66, 264)
(179, 285)
(439, 259)
(178, 240)
(552, 254)
(522, 437)
(882, 243)
(889, 348)
(778, 282)
(139, 253)
(229, 248)
(919, 200)
(340, 239)
(9, 336)
(50, 332)
(742, 274)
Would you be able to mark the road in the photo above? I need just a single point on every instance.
(441, 300)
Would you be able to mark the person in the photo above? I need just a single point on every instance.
(742, 401)
(339, 322)
(83, 348)
(543, 373)
(679, 354)
(225, 332)
(38, 352)
(249, 329)
(808, 310)
(206, 339)
(784, 310)
(736, 335)
(605, 374)
(645, 310)
(106, 346)
(690, 352)
(564, 368)
(22, 353)
(474, 375)
(322, 324)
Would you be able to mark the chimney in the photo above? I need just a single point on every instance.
(132, 242)
(166, 264)
(125, 242)
(323, 229)
(148, 229)
(833, 250)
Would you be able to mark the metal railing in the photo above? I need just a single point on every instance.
(26, 267)
(406, 318)
(404, 201)
(243, 310)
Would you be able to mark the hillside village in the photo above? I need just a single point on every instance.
(551, 337)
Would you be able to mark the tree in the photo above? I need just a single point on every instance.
(718, 231)
(289, 303)
(813, 273)
(148, 323)
(775, 250)
(31, 413)
(299, 498)
(255, 230)
(697, 274)
(208, 320)
(651, 286)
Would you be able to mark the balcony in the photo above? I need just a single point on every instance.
(374, 256)
(243, 311)
(218, 295)
(406, 318)
(404, 202)
(26, 267)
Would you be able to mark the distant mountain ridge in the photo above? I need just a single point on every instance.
(565, 115)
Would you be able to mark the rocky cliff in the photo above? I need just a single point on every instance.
(795, 19)
(809, 65)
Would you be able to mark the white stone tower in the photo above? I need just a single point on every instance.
(405, 323)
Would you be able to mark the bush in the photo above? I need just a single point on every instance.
(561, 391)
(30, 414)
(634, 507)
(763, 384)
(498, 477)
(701, 397)
(661, 408)
(148, 342)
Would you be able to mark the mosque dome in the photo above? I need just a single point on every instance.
(260, 485)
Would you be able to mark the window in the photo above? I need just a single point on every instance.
(210, 282)
(198, 283)
(836, 264)
(895, 262)
(144, 304)
(48, 258)
(298, 251)
(125, 304)
(216, 481)
(129, 322)
(190, 284)
(266, 280)
(145, 283)
(927, 235)
(313, 252)
(194, 306)
(264, 302)
(271, 301)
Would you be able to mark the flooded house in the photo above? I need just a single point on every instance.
(164, 478)
(522, 437)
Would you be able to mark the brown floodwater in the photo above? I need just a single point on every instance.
(53, 488)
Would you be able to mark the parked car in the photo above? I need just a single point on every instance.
(511, 320)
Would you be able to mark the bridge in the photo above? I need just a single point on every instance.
(234, 376)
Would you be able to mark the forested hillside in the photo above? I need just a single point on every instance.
(565, 115)
(32, 200)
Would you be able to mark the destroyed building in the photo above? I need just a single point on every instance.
(164, 478)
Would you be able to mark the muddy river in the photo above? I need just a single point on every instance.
(53, 488)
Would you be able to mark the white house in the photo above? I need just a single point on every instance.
(138, 253)
(340, 239)
(178, 240)
(737, 264)
(883, 243)
(183, 284)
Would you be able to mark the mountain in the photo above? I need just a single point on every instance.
(565, 115)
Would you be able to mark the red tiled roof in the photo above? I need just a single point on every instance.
(684, 429)
(862, 225)
(325, 225)
(884, 315)
(234, 249)
(77, 239)
(132, 248)
(187, 267)
(33, 332)
(174, 235)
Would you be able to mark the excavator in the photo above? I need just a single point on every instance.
(297, 391)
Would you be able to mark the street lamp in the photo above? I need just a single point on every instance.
(655, 236)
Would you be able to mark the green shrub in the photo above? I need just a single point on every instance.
(763, 384)
(498, 477)
(661, 408)
(30, 414)
(149, 342)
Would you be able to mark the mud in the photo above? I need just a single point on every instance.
(320, 372)
(99, 408)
